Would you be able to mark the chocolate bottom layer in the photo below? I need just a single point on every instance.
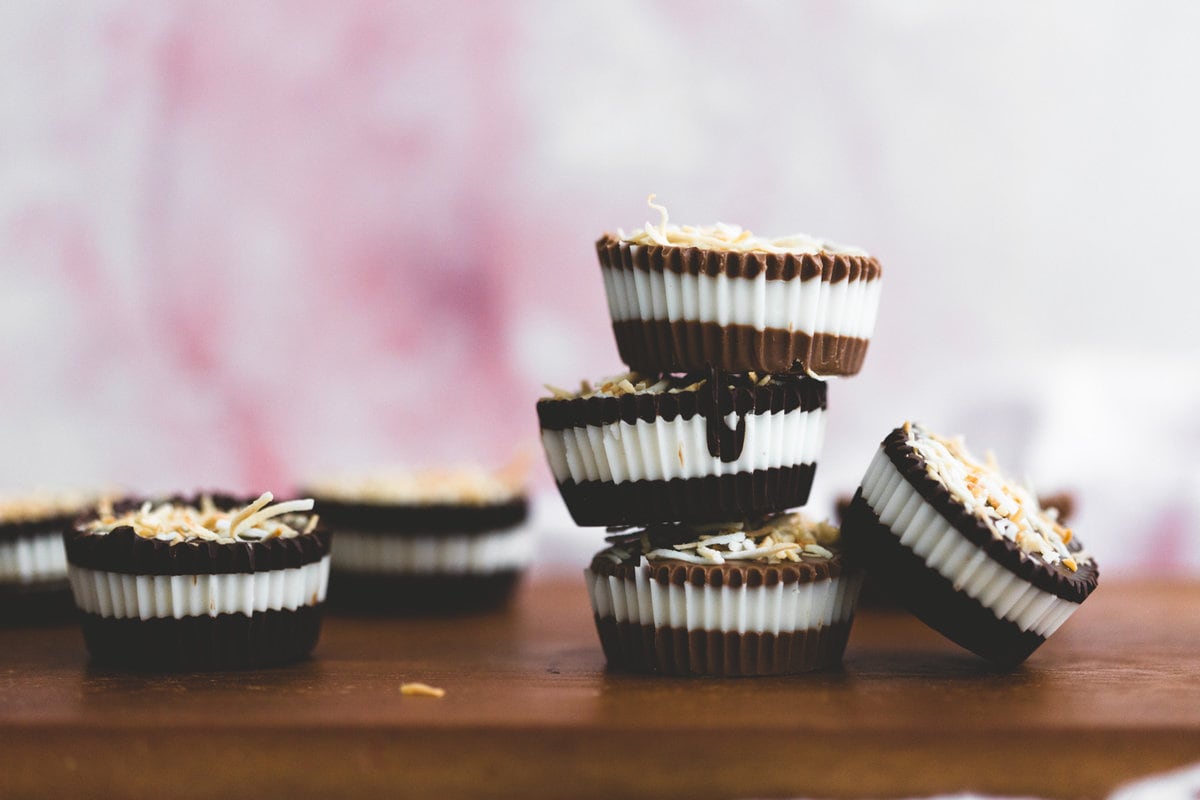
(905, 577)
(420, 595)
(712, 498)
(38, 603)
(633, 647)
(226, 641)
(653, 346)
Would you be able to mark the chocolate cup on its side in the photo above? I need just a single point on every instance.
(905, 578)
(874, 596)
(1056, 579)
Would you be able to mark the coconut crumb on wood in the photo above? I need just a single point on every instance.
(421, 690)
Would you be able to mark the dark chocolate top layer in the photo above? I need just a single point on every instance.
(832, 267)
(1054, 578)
(11, 531)
(412, 519)
(121, 550)
(722, 394)
(732, 573)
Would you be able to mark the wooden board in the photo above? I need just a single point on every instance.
(530, 711)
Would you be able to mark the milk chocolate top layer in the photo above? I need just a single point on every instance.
(123, 551)
(731, 573)
(1054, 578)
(832, 267)
(782, 548)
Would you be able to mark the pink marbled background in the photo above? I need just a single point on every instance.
(243, 243)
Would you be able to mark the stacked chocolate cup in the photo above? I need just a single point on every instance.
(694, 457)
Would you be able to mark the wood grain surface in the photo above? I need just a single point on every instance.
(530, 711)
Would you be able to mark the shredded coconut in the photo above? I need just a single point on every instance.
(452, 486)
(787, 537)
(174, 523)
(636, 383)
(727, 237)
(43, 506)
(421, 690)
(1010, 511)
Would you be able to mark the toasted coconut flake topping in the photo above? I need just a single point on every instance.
(787, 537)
(637, 383)
(727, 237)
(38, 506)
(421, 690)
(1010, 511)
(175, 523)
(449, 486)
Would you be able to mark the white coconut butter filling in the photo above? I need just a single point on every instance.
(435, 554)
(121, 596)
(33, 559)
(663, 450)
(845, 308)
(921, 528)
(782, 608)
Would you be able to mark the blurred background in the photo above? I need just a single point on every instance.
(242, 244)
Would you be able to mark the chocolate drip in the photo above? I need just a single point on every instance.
(783, 393)
(723, 443)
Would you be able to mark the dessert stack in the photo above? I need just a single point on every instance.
(693, 458)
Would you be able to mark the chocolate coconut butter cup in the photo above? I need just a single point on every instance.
(705, 447)
(971, 553)
(33, 564)
(199, 583)
(426, 543)
(682, 299)
(771, 598)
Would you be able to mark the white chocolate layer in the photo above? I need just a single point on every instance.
(33, 559)
(662, 450)
(845, 308)
(781, 608)
(121, 596)
(451, 554)
(938, 543)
